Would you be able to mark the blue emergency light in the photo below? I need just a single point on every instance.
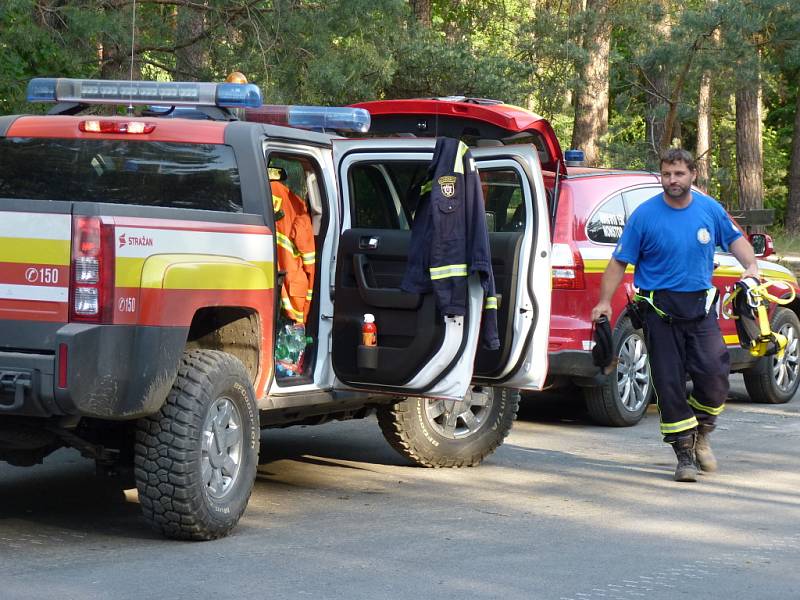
(574, 158)
(99, 91)
(319, 118)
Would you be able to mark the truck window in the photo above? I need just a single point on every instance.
(176, 175)
(382, 194)
(633, 198)
(502, 194)
(605, 225)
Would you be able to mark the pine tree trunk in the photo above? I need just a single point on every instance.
(591, 98)
(704, 131)
(657, 106)
(190, 61)
(749, 157)
(422, 11)
(793, 202)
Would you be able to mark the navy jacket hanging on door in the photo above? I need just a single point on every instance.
(449, 239)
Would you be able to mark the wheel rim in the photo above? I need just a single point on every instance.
(786, 368)
(633, 373)
(222, 447)
(456, 419)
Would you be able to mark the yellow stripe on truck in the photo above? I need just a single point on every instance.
(129, 273)
(34, 251)
(598, 265)
(194, 272)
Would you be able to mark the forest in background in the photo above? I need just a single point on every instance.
(619, 79)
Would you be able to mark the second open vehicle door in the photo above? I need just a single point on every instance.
(421, 352)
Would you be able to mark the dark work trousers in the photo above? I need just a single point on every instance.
(693, 344)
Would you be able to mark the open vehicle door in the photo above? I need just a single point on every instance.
(519, 236)
(420, 352)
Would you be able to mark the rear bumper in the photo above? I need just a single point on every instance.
(113, 371)
(573, 364)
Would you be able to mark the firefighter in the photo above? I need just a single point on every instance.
(671, 239)
(296, 250)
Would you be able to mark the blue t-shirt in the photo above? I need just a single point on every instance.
(673, 248)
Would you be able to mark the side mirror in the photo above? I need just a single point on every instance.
(762, 244)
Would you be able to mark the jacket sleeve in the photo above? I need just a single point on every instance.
(479, 252)
(303, 236)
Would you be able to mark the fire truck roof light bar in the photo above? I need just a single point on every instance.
(98, 91)
(318, 118)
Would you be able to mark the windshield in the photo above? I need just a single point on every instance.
(177, 175)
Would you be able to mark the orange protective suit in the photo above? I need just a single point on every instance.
(296, 251)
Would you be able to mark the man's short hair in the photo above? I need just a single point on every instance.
(673, 155)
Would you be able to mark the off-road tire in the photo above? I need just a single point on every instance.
(410, 430)
(604, 403)
(170, 456)
(761, 381)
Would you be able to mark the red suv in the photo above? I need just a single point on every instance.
(589, 208)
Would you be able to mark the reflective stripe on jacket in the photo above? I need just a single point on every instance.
(449, 238)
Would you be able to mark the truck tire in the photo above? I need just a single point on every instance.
(450, 433)
(623, 398)
(196, 459)
(774, 380)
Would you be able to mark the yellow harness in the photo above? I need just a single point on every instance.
(748, 305)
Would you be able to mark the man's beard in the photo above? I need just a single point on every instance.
(681, 191)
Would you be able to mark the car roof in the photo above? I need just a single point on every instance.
(505, 119)
(179, 130)
(166, 130)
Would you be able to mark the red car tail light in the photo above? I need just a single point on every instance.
(567, 268)
(92, 270)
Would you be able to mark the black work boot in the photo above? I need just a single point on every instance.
(684, 450)
(702, 449)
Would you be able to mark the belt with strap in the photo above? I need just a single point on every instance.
(648, 296)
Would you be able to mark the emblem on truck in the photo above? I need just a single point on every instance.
(135, 240)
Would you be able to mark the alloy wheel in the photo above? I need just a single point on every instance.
(454, 419)
(785, 369)
(221, 453)
(633, 373)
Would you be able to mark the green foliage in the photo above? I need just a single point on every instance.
(430, 65)
(776, 160)
(786, 242)
(527, 53)
(625, 145)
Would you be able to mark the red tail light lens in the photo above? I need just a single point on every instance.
(92, 270)
(567, 268)
(62, 365)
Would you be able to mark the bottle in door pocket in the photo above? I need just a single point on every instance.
(369, 331)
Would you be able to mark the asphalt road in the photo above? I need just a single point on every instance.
(564, 510)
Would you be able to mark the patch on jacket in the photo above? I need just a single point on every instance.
(447, 183)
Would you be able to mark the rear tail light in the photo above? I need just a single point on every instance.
(567, 268)
(92, 270)
(62, 365)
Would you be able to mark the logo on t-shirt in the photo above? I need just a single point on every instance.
(703, 236)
